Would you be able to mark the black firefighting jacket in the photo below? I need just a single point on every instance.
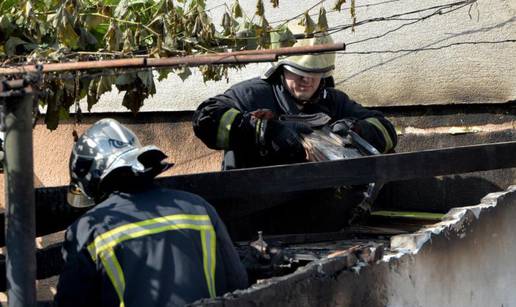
(155, 247)
(222, 122)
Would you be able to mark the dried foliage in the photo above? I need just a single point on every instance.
(45, 31)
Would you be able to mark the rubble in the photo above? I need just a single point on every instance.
(465, 259)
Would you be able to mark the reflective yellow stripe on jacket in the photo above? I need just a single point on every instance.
(103, 246)
(388, 141)
(225, 127)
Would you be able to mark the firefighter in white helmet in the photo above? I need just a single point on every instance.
(140, 244)
(244, 120)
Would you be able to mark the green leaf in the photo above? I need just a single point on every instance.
(264, 24)
(53, 104)
(353, 15)
(52, 119)
(125, 81)
(163, 73)
(183, 72)
(83, 88)
(113, 37)
(122, 8)
(236, 10)
(93, 21)
(64, 28)
(92, 98)
(308, 23)
(27, 9)
(170, 42)
(322, 22)
(87, 41)
(262, 32)
(133, 99)
(338, 5)
(7, 5)
(63, 114)
(259, 8)
(6, 27)
(226, 24)
(104, 85)
(128, 41)
(98, 87)
(147, 79)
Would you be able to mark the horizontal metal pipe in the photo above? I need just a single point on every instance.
(236, 57)
(212, 60)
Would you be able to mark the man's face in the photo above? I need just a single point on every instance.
(302, 87)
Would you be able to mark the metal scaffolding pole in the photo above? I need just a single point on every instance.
(19, 196)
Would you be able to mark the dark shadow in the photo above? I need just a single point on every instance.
(322, 210)
(435, 194)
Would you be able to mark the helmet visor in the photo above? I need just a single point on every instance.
(299, 72)
(75, 198)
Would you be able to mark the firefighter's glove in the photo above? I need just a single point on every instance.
(342, 126)
(363, 128)
(282, 140)
(370, 133)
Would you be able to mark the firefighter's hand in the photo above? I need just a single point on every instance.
(363, 128)
(370, 133)
(342, 126)
(283, 139)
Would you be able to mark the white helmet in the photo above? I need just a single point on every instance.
(322, 63)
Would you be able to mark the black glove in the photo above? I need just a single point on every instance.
(342, 126)
(363, 128)
(370, 133)
(282, 140)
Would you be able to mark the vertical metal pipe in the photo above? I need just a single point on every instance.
(20, 208)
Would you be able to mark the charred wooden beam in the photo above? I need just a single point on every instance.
(347, 233)
(315, 175)
(53, 214)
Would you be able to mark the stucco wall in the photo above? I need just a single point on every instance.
(467, 55)
(173, 134)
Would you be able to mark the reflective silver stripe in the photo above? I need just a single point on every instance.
(103, 245)
(225, 127)
(114, 272)
(208, 240)
(134, 230)
(388, 141)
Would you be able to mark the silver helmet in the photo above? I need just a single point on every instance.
(107, 156)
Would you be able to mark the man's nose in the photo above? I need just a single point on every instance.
(306, 79)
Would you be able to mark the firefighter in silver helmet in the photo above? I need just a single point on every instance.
(243, 121)
(139, 244)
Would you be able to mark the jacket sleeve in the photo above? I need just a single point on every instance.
(371, 124)
(235, 273)
(78, 284)
(220, 124)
